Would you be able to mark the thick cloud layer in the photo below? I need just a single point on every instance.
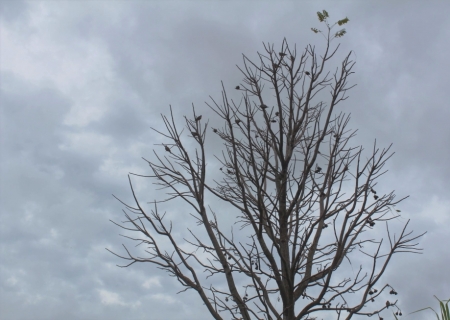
(82, 82)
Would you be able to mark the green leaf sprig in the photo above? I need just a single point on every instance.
(323, 16)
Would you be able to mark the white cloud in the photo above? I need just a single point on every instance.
(12, 281)
(151, 283)
(81, 69)
(88, 144)
(163, 298)
(437, 210)
(110, 298)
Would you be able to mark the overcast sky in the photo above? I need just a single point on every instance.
(82, 82)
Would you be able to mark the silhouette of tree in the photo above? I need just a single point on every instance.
(302, 192)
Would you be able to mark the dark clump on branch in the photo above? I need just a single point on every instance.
(280, 262)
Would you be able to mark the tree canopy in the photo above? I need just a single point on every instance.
(306, 199)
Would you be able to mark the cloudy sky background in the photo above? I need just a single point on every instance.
(82, 82)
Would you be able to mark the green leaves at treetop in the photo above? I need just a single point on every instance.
(340, 33)
(322, 15)
(343, 21)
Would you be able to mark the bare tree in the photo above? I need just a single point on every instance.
(305, 198)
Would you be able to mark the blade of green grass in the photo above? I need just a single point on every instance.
(444, 310)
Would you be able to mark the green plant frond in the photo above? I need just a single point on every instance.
(343, 21)
(445, 314)
(320, 16)
(325, 13)
(315, 30)
(444, 309)
(340, 33)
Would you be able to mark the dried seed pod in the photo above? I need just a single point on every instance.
(237, 87)
(198, 118)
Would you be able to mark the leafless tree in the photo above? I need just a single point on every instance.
(305, 198)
